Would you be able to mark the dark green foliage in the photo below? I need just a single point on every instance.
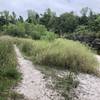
(48, 19)
(33, 17)
(68, 22)
(82, 30)
(20, 19)
(35, 25)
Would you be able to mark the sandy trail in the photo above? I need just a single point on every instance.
(89, 87)
(33, 85)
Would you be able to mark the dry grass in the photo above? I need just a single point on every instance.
(61, 53)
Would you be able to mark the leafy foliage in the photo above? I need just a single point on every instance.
(15, 30)
(36, 25)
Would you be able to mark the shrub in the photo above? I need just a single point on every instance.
(15, 30)
(48, 36)
(63, 54)
(35, 31)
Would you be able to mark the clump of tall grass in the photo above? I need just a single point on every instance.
(61, 53)
(8, 72)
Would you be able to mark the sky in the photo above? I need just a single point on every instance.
(58, 6)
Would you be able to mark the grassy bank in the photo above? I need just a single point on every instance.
(54, 55)
(8, 72)
(64, 54)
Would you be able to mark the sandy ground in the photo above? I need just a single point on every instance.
(89, 87)
(33, 84)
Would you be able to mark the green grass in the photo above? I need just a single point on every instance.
(8, 71)
(64, 54)
(57, 54)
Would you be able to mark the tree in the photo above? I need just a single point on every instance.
(13, 18)
(84, 11)
(17, 29)
(48, 19)
(4, 18)
(20, 19)
(96, 26)
(2, 21)
(33, 17)
(83, 20)
(91, 20)
(68, 22)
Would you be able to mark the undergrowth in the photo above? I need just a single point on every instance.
(8, 71)
(64, 54)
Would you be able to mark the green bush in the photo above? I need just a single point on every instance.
(15, 30)
(61, 53)
(83, 30)
(35, 31)
(48, 36)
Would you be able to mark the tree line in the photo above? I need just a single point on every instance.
(49, 25)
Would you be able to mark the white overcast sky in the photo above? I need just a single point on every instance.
(58, 6)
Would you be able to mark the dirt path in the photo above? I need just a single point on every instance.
(33, 85)
(89, 87)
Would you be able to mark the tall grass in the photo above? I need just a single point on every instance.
(8, 72)
(60, 53)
